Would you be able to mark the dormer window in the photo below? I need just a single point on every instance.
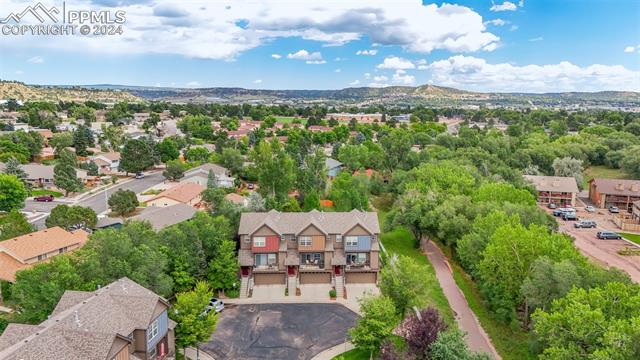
(259, 241)
(304, 240)
(351, 241)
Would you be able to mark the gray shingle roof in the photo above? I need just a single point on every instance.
(205, 168)
(245, 257)
(332, 163)
(87, 329)
(553, 183)
(294, 223)
(161, 217)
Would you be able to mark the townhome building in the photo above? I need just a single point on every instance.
(120, 321)
(614, 192)
(308, 248)
(557, 190)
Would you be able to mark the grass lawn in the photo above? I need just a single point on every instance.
(509, 343)
(400, 241)
(41, 192)
(632, 237)
(355, 354)
(289, 119)
(603, 172)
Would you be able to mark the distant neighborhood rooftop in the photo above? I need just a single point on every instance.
(161, 217)
(553, 183)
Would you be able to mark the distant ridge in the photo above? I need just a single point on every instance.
(428, 95)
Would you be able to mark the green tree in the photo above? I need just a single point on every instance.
(174, 170)
(569, 167)
(12, 193)
(349, 192)
(223, 269)
(193, 326)
(232, 159)
(631, 161)
(37, 290)
(84, 112)
(12, 224)
(123, 202)
(72, 217)
(312, 175)
(197, 154)
(137, 155)
(451, 345)
(82, 139)
(168, 150)
(502, 193)
(404, 283)
(275, 170)
(600, 323)
(64, 173)
(13, 167)
(376, 324)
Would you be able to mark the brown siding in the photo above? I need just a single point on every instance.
(310, 231)
(327, 259)
(245, 242)
(317, 244)
(281, 257)
(268, 279)
(374, 259)
(264, 231)
(357, 230)
(139, 341)
(123, 354)
(336, 244)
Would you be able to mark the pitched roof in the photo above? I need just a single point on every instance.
(39, 171)
(205, 168)
(295, 222)
(87, 328)
(9, 267)
(161, 217)
(112, 155)
(41, 242)
(332, 163)
(183, 192)
(617, 186)
(553, 183)
(235, 198)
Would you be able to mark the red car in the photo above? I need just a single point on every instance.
(44, 198)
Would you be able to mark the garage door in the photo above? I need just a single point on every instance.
(361, 278)
(268, 279)
(315, 278)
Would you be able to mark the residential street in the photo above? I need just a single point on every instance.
(97, 201)
(476, 337)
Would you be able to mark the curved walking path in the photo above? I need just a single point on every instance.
(477, 338)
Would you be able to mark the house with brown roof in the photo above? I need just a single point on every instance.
(120, 321)
(614, 192)
(185, 193)
(559, 190)
(108, 162)
(315, 247)
(24, 251)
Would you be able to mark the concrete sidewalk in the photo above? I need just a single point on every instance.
(334, 351)
(476, 337)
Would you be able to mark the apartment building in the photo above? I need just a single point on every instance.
(308, 248)
(120, 321)
(557, 190)
(614, 192)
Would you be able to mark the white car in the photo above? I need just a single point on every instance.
(216, 304)
(590, 209)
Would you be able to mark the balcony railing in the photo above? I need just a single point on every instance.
(265, 267)
(312, 265)
(359, 266)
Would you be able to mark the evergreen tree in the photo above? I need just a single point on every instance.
(64, 173)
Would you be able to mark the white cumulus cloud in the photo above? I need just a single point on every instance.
(505, 6)
(354, 82)
(192, 84)
(496, 22)
(395, 62)
(276, 56)
(217, 30)
(630, 49)
(472, 73)
(257, 81)
(305, 55)
(370, 52)
(36, 60)
(401, 77)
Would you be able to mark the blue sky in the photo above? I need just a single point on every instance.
(534, 45)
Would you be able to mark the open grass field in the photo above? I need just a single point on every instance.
(290, 119)
(631, 237)
(593, 172)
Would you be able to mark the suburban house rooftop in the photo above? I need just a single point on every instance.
(84, 325)
(553, 183)
(295, 222)
(183, 192)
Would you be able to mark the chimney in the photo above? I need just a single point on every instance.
(619, 186)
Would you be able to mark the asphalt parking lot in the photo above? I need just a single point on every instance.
(278, 331)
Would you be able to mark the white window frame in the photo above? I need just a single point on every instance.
(153, 330)
(257, 240)
(359, 256)
(351, 240)
(283, 237)
(338, 237)
(305, 240)
(272, 259)
(42, 257)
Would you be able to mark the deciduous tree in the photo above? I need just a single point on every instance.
(12, 193)
(123, 202)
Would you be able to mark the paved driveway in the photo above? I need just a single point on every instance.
(278, 331)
